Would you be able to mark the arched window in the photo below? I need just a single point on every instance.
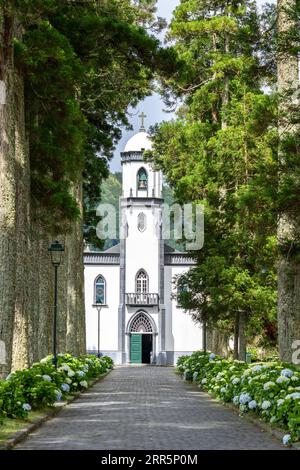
(100, 291)
(142, 179)
(142, 222)
(142, 282)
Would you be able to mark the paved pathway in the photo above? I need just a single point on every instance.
(147, 408)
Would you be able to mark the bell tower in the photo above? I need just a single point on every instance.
(141, 248)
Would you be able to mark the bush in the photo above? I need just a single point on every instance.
(269, 390)
(42, 385)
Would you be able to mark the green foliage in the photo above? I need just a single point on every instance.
(269, 390)
(83, 64)
(221, 151)
(42, 385)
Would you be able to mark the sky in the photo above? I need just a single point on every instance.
(152, 106)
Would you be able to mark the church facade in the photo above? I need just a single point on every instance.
(132, 313)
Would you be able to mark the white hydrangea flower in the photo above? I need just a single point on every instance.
(65, 387)
(71, 373)
(80, 373)
(266, 404)
(273, 419)
(83, 383)
(268, 385)
(236, 400)
(252, 405)
(279, 402)
(47, 378)
(286, 439)
(247, 372)
(235, 380)
(26, 407)
(295, 395)
(204, 381)
(68, 381)
(223, 390)
(294, 378)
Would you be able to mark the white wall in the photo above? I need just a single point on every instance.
(183, 333)
(109, 313)
(142, 248)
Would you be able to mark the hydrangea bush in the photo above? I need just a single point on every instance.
(42, 385)
(269, 390)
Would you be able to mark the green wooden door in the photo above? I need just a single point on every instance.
(136, 349)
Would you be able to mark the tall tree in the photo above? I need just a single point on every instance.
(288, 224)
(79, 66)
(216, 153)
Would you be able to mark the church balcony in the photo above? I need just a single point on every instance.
(137, 299)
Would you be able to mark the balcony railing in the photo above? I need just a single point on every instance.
(142, 299)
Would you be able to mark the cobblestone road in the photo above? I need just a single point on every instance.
(147, 408)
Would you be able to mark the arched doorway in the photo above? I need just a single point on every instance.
(141, 339)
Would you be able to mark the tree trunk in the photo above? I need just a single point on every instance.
(204, 334)
(236, 336)
(75, 341)
(7, 194)
(288, 230)
(242, 336)
(21, 339)
(217, 342)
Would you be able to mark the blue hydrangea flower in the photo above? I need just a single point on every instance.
(80, 373)
(212, 356)
(287, 373)
(245, 398)
(65, 387)
(282, 379)
(58, 395)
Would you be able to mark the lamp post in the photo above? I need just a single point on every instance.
(56, 250)
(98, 308)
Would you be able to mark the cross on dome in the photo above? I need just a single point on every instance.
(142, 116)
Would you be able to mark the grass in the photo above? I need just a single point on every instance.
(12, 426)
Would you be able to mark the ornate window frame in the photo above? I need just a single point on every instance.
(140, 170)
(100, 276)
(144, 287)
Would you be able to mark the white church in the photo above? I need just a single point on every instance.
(132, 314)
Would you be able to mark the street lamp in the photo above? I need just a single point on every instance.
(56, 250)
(98, 308)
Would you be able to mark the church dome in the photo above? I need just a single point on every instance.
(139, 142)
